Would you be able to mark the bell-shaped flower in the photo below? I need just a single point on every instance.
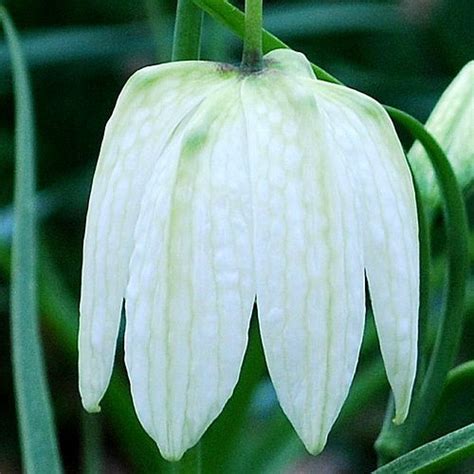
(216, 189)
(452, 124)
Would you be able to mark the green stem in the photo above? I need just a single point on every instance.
(396, 440)
(39, 447)
(252, 54)
(425, 282)
(187, 31)
(234, 19)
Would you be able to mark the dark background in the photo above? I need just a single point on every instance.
(80, 53)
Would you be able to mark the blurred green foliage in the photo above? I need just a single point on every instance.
(80, 53)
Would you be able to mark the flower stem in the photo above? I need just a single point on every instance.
(187, 31)
(230, 16)
(252, 54)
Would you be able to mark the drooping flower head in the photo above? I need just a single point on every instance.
(217, 188)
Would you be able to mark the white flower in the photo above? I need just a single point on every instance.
(452, 124)
(216, 187)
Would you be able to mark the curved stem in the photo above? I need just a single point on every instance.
(234, 19)
(252, 54)
(425, 282)
(187, 31)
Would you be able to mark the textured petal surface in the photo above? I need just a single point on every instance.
(388, 211)
(191, 288)
(290, 63)
(154, 101)
(452, 124)
(308, 251)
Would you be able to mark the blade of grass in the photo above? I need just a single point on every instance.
(38, 441)
(439, 454)
(187, 31)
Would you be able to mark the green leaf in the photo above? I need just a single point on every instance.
(37, 433)
(441, 453)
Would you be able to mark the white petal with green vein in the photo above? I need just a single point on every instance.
(191, 289)
(154, 101)
(308, 250)
(368, 140)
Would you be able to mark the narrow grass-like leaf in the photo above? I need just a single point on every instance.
(439, 454)
(37, 434)
(187, 31)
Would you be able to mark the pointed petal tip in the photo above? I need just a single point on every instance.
(400, 417)
(90, 402)
(316, 448)
(171, 457)
(402, 404)
(174, 453)
(314, 442)
(91, 407)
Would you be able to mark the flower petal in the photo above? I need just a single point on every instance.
(290, 62)
(391, 249)
(308, 251)
(191, 289)
(154, 101)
